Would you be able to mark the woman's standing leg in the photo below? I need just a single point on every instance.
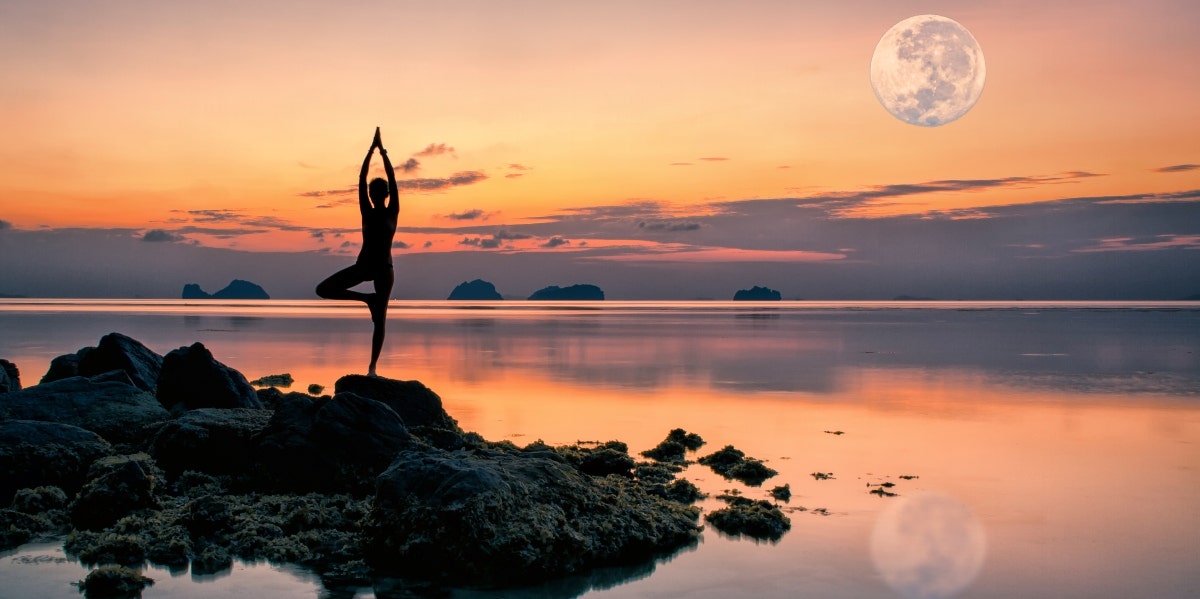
(379, 305)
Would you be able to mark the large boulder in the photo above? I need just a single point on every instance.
(118, 352)
(114, 352)
(417, 405)
(107, 404)
(210, 440)
(337, 443)
(116, 486)
(10, 377)
(489, 517)
(191, 378)
(35, 453)
(64, 366)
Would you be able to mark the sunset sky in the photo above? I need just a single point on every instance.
(555, 141)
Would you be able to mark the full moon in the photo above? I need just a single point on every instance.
(927, 70)
(928, 546)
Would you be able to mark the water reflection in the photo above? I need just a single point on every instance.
(1070, 433)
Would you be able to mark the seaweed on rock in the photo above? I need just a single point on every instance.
(733, 464)
(755, 518)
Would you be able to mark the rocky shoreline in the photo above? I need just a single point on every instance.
(178, 460)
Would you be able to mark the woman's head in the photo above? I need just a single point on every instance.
(377, 190)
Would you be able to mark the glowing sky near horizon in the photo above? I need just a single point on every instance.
(133, 113)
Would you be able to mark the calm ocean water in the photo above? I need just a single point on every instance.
(1056, 446)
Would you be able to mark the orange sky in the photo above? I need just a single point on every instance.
(128, 114)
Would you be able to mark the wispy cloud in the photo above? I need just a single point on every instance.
(400, 245)
(160, 235)
(1144, 244)
(435, 149)
(495, 241)
(328, 192)
(706, 254)
(475, 214)
(668, 225)
(842, 202)
(714, 158)
(554, 242)
(1177, 168)
(455, 180)
(411, 165)
(5, 225)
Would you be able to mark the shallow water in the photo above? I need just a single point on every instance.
(1066, 431)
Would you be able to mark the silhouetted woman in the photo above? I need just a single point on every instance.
(375, 258)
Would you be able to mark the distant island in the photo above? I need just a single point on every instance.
(580, 292)
(236, 289)
(478, 289)
(757, 294)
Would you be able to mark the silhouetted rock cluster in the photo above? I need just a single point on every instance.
(475, 290)
(236, 289)
(175, 460)
(757, 294)
(579, 292)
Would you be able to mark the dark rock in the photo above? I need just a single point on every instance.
(64, 366)
(118, 352)
(116, 486)
(210, 440)
(18, 527)
(754, 518)
(604, 461)
(207, 516)
(682, 491)
(35, 454)
(111, 581)
(733, 464)
(272, 398)
(750, 471)
(497, 518)
(236, 289)
(656, 473)
(757, 294)
(783, 493)
(212, 559)
(674, 447)
(417, 405)
(331, 444)
(39, 499)
(580, 292)
(10, 377)
(667, 451)
(274, 380)
(106, 404)
(315, 389)
(106, 547)
(35, 514)
(193, 291)
(475, 290)
(723, 459)
(191, 378)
